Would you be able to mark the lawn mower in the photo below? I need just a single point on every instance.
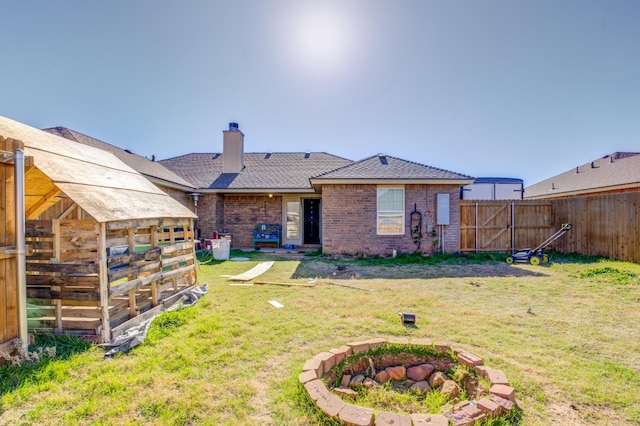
(537, 255)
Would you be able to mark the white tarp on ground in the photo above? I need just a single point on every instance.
(136, 335)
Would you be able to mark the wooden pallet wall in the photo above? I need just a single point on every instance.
(76, 287)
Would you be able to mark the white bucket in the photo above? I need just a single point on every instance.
(220, 249)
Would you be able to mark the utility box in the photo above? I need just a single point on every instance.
(442, 209)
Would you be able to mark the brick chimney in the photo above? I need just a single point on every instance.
(232, 149)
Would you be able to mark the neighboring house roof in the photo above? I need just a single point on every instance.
(616, 172)
(137, 162)
(497, 180)
(385, 168)
(281, 171)
(101, 184)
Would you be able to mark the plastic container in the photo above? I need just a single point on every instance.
(220, 249)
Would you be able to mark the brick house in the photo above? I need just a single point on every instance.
(322, 200)
(617, 172)
(319, 199)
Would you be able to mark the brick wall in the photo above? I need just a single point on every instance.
(349, 220)
(243, 212)
(210, 214)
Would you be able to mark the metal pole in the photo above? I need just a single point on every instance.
(21, 254)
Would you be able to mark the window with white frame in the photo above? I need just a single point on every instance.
(390, 210)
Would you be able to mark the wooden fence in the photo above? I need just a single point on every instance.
(503, 226)
(604, 225)
(8, 286)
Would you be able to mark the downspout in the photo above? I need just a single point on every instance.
(21, 254)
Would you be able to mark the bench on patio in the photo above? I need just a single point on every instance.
(267, 233)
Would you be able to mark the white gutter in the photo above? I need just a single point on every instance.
(21, 254)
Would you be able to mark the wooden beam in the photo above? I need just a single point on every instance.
(41, 205)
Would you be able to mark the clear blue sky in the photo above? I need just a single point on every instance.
(512, 88)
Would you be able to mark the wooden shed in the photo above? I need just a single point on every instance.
(105, 247)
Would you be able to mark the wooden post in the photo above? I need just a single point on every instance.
(55, 230)
(104, 283)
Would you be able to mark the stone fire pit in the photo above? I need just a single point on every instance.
(412, 373)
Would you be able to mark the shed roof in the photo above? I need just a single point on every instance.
(96, 180)
(617, 171)
(284, 171)
(387, 168)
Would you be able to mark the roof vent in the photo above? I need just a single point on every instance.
(234, 127)
(215, 156)
(128, 151)
(553, 186)
(307, 154)
(267, 155)
(593, 166)
(577, 170)
(383, 159)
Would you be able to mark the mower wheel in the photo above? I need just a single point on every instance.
(534, 260)
(545, 258)
(509, 260)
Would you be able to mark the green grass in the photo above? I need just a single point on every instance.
(566, 334)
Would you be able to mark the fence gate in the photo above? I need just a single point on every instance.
(503, 225)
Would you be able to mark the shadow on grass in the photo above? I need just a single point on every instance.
(42, 368)
(407, 266)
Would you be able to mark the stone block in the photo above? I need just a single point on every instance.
(356, 381)
(397, 373)
(345, 393)
(422, 342)
(503, 391)
(470, 359)
(353, 415)
(314, 364)
(315, 388)
(330, 404)
(307, 376)
(436, 379)
(376, 343)
(429, 420)
(421, 386)
(341, 353)
(488, 407)
(496, 377)
(398, 341)
(472, 411)
(328, 360)
(420, 372)
(346, 379)
(450, 389)
(504, 404)
(358, 347)
(382, 377)
(442, 348)
(387, 419)
(459, 418)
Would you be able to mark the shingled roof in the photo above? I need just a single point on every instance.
(615, 172)
(137, 162)
(282, 171)
(387, 168)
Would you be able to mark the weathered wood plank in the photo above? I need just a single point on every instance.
(134, 284)
(63, 268)
(68, 295)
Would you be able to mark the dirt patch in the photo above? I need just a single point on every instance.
(354, 270)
